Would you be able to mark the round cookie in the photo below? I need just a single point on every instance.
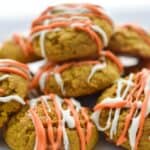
(52, 123)
(130, 40)
(79, 78)
(14, 83)
(18, 48)
(66, 32)
(123, 112)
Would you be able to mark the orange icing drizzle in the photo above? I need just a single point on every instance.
(90, 62)
(86, 28)
(36, 78)
(65, 66)
(136, 92)
(15, 71)
(93, 35)
(14, 63)
(40, 19)
(94, 9)
(139, 30)
(111, 105)
(78, 126)
(111, 56)
(89, 124)
(11, 66)
(37, 25)
(55, 140)
(59, 69)
(24, 44)
(40, 131)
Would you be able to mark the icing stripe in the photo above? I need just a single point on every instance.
(39, 129)
(66, 116)
(134, 123)
(16, 98)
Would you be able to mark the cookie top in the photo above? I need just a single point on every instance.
(130, 40)
(70, 29)
(54, 123)
(79, 78)
(123, 111)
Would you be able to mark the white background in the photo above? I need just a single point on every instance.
(16, 15)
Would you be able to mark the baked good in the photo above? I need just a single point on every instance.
(52, 123)
(14, 84)
(123, 111)
(130, 40)
(71, 31)
(79, 78)
(18, 48)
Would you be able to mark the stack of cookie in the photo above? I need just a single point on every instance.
(73, 40)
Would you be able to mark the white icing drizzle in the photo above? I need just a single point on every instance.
(57, 77)
(120, 95)
(94, 27)
(102, 33)
(118, 98)
(9, 98)
(77, 24)
(147, 90)
(69, 19)
(76, 104)
(12, 97)
(45, 99)
(42, 38)
(47, 30)
(133, 131)
(136, 120)
(42, 34)
(148, 108)
(59, 81)
(33, 102)
(65, 137)
(42, 80)
(96, 68)
(67, 10)
(96, 115)
(134, 126)
(66, 119)
(4, 77)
